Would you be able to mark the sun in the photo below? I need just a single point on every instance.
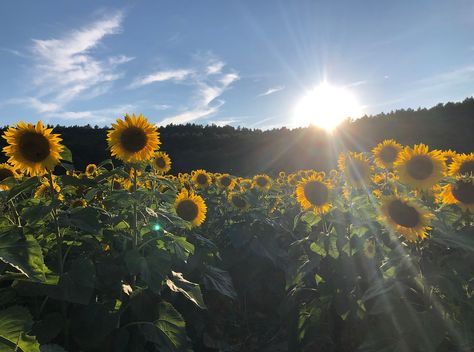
(326, 106)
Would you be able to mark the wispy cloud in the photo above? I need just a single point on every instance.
(65, 67)
(271, 91)
(209, 85)
(102, 116)
(215, 67)
(161, 76)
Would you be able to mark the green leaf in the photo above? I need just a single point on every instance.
(22, 187)
(219, 280)
(15, 322)
(189, 289)
(317, 249)
(311, 218)
(169, 331)
(66, 155)
(22, 252)
(318, 279)
(180, 246)
(85, 219)
(152, 268)
(333, 251)
(34, 213)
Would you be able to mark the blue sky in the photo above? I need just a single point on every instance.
(227, 62)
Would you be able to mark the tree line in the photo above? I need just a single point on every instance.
(244, 151)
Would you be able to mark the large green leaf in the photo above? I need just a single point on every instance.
(169, 331)
(85, 219)
(152, 268)
(189, 289)
(24, 186)
(219, 280)
(15, 322)
(22, 252)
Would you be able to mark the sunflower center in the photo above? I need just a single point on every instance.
(463, 191)
(316, 193)
(34, 147)
(467, 167)
(5, 173)
(356, 170)
(420, 167)
(160, 163)
(133, 139)
(239, 202)
(201, 179)
(403, 214)
(187, 210)
(225, 181)
(261, 181)
(388, 154)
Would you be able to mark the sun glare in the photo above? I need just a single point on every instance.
(326, 106)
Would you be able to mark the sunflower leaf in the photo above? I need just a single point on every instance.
(66, 155)
(15, 322)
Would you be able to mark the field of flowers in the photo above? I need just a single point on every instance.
(376, 255)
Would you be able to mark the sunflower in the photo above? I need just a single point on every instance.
(262, 182)
(91, 170)
(45, 189)
(356, 168)
(190, 207)
(161, 162)
(420, 168)
(449, 156)
(6, 171)
(78, 203)
(314, 193)
(226, 181)
(406, 217)
(238, 201)
(281, 174)
(386, 153)
(463, 164)
(32, 148)
(460, 193)
(245, 184)
(201, 178)
(133, 140)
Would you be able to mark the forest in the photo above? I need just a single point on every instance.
(243, 151)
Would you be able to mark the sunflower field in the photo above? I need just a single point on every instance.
(375, 255)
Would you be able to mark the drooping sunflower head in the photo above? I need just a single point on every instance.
(133, 139)
(386, 153)
(449, 156)
(356, 168)
(419, 167)
(44, 190)
(463, 164)
(91, 170)
(262, 182)
(190, 207)
(78, 203)
(201, 178)
(405, 217)
(161, 162)
(314, 193)
(6, 171)
(33, 149)
(460, 193)
(226, 181)
(238, 201)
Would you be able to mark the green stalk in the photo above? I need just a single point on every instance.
(59, 243)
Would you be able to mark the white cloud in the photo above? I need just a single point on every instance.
(106, 115)
(271, 91)
(210, 85)
(65, 68)
(161, 76)
(215, 67)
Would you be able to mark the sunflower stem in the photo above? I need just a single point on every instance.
(59, 243)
